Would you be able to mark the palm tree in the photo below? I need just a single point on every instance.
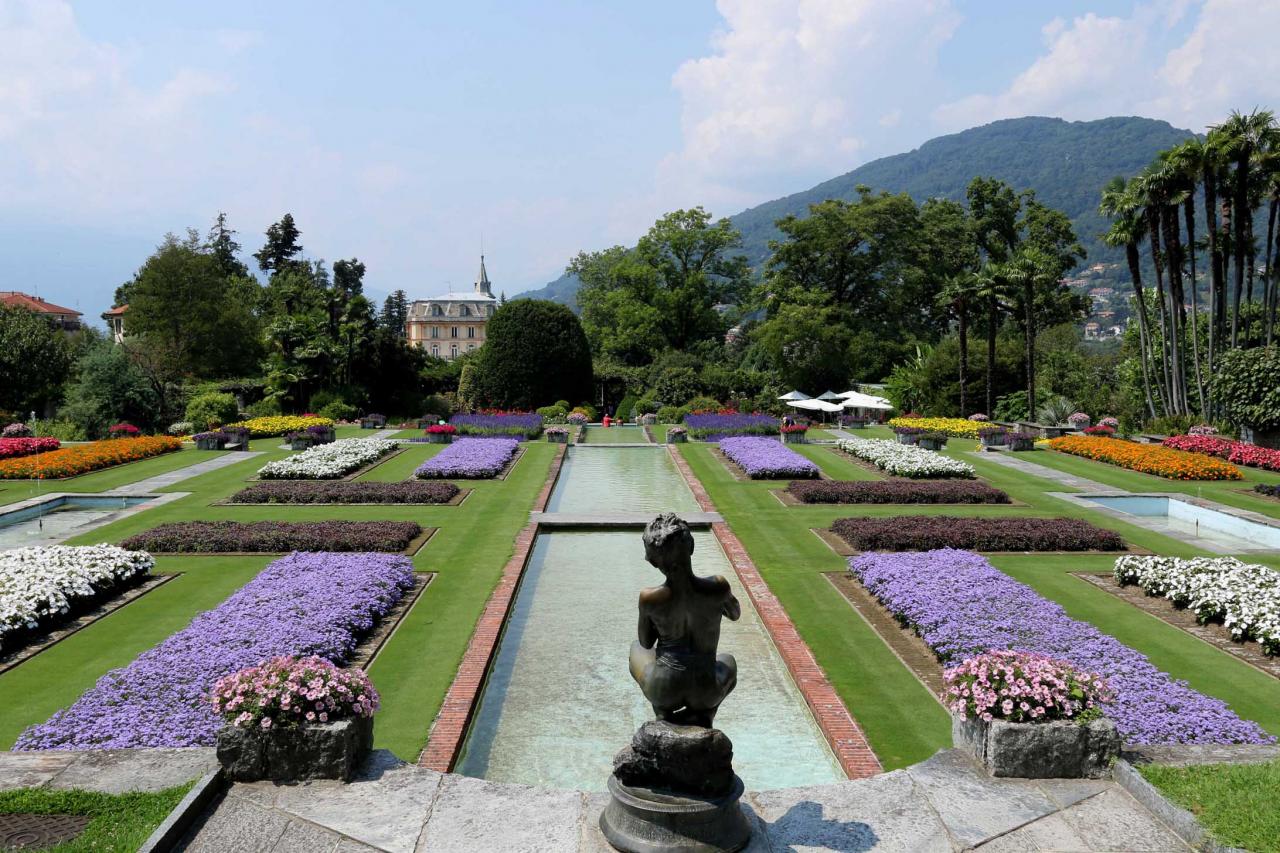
(1210, 169)
(1128, 229)
(1187, 161)
(989, 290)
(1029, 271)
(956, 295)
(1148, 189)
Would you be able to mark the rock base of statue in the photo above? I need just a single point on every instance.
(673, 790)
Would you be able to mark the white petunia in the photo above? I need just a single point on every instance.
(36, 583)
(328, 461)
(905, 460)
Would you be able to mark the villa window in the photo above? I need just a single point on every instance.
(435, 311)
(435, 331)
(464, 311)
(455, 351)
(435, 350)
(453, 332)
(471, 331)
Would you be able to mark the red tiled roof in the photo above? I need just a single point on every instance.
(119, 309)
(16, 299)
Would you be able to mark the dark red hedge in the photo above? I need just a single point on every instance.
(895, 492)
(346, 492)
(196, 537)
(924, 533)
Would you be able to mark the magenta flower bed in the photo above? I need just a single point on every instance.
(1011, 533)
(345, 492)
(302, 604)
(895, 492)
(1235, 452)
(962, 606)
(767, 458)
(470, 459)
(272, 537)
(13, 447)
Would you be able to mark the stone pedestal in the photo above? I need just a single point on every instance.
(1062, 749)
(673, 790)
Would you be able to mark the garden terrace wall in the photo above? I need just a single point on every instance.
(274, 537)
(83, 458)
(346, 492)
(1005, 533)
(302, 604)
(962, 606)
(767, 458)
(1147, 458)
(470, 459)
(895, 492)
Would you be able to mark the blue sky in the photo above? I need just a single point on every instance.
(401, 133)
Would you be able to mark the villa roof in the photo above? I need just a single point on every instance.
(119, 309)
(17, 299)
(461, 296)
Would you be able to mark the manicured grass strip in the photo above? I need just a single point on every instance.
(119, 823)
(1236, 803)
(110, 478)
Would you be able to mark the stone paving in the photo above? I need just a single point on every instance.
(943, 804)
(110, 771)
(160, 481)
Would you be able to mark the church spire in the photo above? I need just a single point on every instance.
(482, 280)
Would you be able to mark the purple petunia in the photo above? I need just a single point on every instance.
(513, 424)
(304, 604)
(714, 426)
(767, 458)
(469, 459)
(962, 606)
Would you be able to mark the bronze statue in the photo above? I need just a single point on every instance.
(674, 660)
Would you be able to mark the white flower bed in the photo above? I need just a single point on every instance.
(1244, 596)
(905, 460)
(36, 583)
(328, 461)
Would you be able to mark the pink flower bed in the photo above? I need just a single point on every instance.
(12, 447)
(1022, 687)
(287, 692)
(1236, 452)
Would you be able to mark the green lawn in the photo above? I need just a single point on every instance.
(118, 823)
(413, 670)
(873, 683)
(1236, 803)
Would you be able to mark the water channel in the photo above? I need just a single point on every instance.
(560, 702)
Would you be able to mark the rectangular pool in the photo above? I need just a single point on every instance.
(60, 517)
(1186, 521)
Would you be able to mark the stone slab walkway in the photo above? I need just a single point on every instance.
(110, 771)
(160, 481)
(943, 804)
(1044, 472)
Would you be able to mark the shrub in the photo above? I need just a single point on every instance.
(1245, 384)
(627, 408)
(577, 418)
(703, 404)
(338, 411)
(927, 532)
(346, 492)
(181, 428)
(289, 692)
(1012, 407)
(83, 458)
(534, 351)
(213, 537)
(895, 492)
(1022, 687)
(669, 415)
(212, 410)
(61, 429)
(767, 458)
(123, 430)
(1147, 458)
(552, 414)
(16, 430)
(1055, 410)
(264, 408)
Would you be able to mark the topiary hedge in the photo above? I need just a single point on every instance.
(534, 351)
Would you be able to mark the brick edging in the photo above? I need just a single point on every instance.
(841, 730)
(450, 726)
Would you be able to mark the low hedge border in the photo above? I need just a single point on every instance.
(1005, 533)
(277, 537)
(895, 492)
(347, 493)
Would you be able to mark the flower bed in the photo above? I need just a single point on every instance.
(1022, 687)
(896, 492)
(346, 492)
(469, 459)
(442, 429)
(954, 427)
(1009, 533)
(905, 460)
(962, 606)
(290, 692)
(279, 424)
(1244, 597)
(123, 430)
(11, 448)
(1101, 429)
(83, 458)
(1271, 490)
(1236, 452)
(499, 424)
(767, 458)
(16, 430)
(1147, 458)
(302, 604)
(274, 537)
(713, 426)
(328, 461)
(39, 583)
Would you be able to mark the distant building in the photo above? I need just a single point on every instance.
(66, 319)
(733, 335)
(1091, 330)
(115, 322)
(452, 324)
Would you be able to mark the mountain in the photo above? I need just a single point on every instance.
(1065, 162)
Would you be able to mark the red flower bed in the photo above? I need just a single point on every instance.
(11, 447)
(1237, 452)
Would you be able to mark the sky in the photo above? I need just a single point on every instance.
(410, 135)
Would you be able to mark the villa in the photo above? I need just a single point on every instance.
(453, 323)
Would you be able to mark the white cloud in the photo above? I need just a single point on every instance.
(1101, 66)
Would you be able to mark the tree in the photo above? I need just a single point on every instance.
(110, 389)
(1128, 229)
(808, 345)
(35, 361)
(959, 292)
(1246, 385)
(535, 353)
(348, 277)
(221, 243)
(618, 299)
(1240, 136)
(395, 313)
(282, 248)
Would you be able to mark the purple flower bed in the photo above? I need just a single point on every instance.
(211, 537)
(469, 459)
(1009, 533)
(962, 606)
(511, 425)
(714, 427)
(302, 604)
(895, 492)
(345, 492)
(767, 458)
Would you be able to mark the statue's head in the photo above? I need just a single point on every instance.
(668, 543)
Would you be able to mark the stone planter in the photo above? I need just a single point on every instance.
(908, 439)
(210, 444)
(1269, 439)
(855, 425)
(649, 419)
(423, 423)
(372, 423)
(439, 438)
(1022, 444)
(302, 444)
(558, 438)
(681, 438)
(324, 751)
(990, 441)
(1058, 750)
(326, 437)
(931, 443)
(793, 438)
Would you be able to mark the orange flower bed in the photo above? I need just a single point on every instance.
(83, 458)
(1147, 458)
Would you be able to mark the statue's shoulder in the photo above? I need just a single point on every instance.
(654, 595)
(717, 583)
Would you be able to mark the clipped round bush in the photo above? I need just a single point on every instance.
(1023, 687)
(338, 411)
(534, 351)
(703, 404)
(669, 415)
(16, 430)
(212, 409)
(289, 692)
(181, 428)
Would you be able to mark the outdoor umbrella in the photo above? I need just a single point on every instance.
(829, 395)
(794, 395)
(814, 405)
